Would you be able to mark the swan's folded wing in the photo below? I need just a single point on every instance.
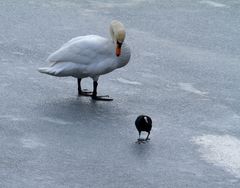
(82, 50)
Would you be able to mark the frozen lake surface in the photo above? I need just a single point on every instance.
(184, 73)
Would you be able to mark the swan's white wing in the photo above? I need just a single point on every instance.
(84, 50)
(86, 56)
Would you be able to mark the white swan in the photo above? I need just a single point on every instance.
(90, 56)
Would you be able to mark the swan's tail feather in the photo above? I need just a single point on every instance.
(49, 70)
(60, 69)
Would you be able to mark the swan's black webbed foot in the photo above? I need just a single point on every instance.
(101, 98)
(85, 92)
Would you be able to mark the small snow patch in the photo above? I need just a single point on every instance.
(221, 150)
(213, 4)
(125, 81)
(189, 88)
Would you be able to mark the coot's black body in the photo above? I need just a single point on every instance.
(144, 123)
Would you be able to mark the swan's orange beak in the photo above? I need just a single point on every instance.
(118, 48)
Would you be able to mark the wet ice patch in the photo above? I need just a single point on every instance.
(31, 143)
(189, 88)
(125, 81)
(221, 150)
(213, 4)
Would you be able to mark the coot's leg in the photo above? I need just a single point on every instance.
(140, 140)
(148, 136)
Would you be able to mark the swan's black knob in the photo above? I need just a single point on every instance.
(143, 123)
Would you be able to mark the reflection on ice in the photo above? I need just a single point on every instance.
(221, 150)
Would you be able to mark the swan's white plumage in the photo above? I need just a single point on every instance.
(86, 56)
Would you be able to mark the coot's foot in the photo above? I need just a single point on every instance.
(141, 141)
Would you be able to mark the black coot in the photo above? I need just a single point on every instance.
(143, 123)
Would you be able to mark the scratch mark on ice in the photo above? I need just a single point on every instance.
(125, 81)
(31, 143)
(213, 4)
(189, 88)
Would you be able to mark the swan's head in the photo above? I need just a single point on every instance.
(118, 33)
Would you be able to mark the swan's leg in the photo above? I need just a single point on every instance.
(82, 92)
(94, 95)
